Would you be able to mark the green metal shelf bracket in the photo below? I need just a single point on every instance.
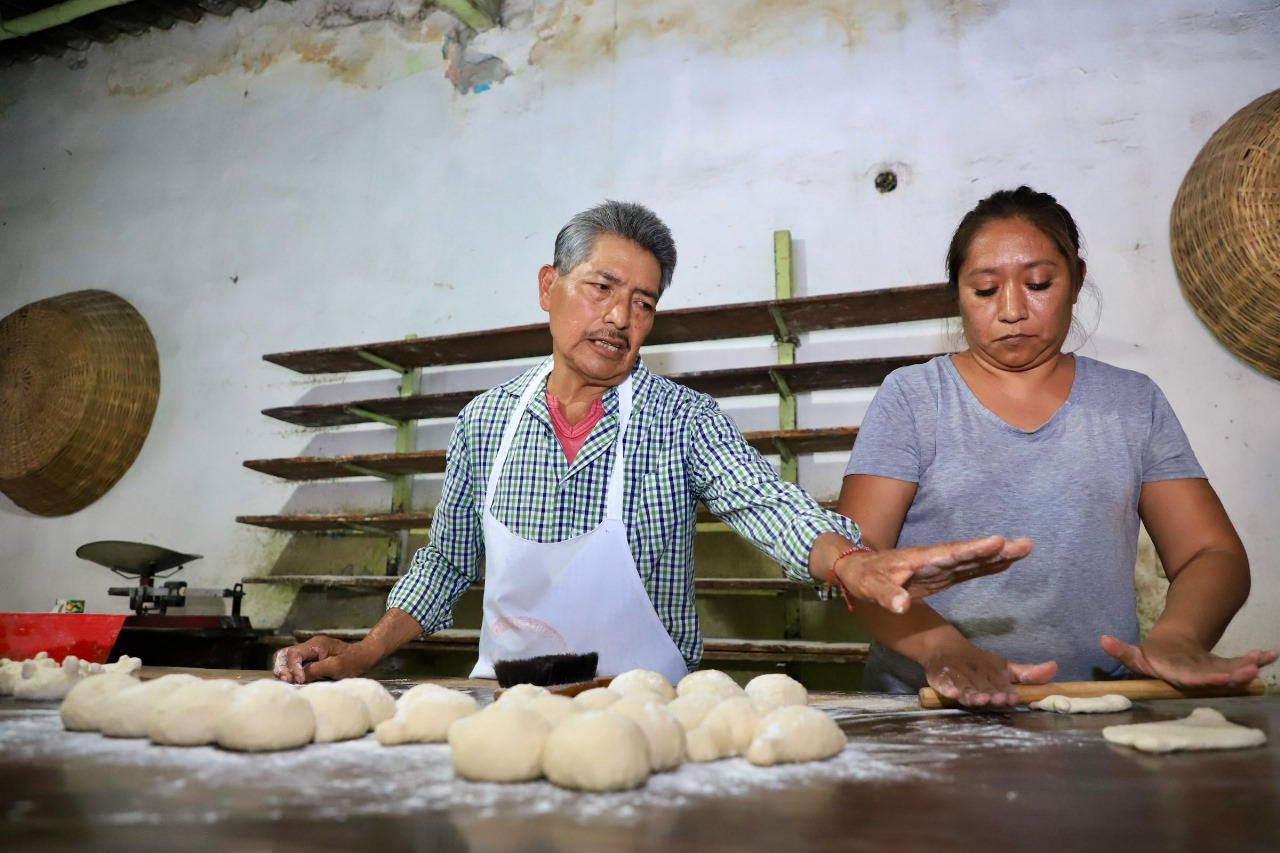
(373, 416)
(374, 358)
(368, 472)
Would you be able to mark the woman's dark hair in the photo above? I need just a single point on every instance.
(1039, 209)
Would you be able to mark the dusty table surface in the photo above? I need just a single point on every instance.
(909, 780)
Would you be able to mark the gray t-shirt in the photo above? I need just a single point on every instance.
(1072, 486)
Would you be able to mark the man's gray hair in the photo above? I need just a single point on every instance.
(635, 222)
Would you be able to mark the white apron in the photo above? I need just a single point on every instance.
(580, 595)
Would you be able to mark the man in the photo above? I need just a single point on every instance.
(588, 545)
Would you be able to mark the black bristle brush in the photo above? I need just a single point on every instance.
(546, 670)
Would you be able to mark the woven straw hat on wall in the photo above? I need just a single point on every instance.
(79, 381)
(1225, 232)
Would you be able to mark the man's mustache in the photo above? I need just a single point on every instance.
(611, 336)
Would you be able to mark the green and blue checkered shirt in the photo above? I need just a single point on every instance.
(681, 449)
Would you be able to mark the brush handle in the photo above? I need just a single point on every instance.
(1130, 688)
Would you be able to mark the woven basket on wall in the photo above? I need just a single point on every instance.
(79, 380)
(1225, 231)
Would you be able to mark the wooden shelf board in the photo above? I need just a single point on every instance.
(388, 521)
(334, 467)
(715, 322)
(303, 468)
(320, 522)
(800, 378)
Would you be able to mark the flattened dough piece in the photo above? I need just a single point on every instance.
(1204, 728)
(1109, 704)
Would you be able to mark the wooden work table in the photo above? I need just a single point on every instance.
(909, 780)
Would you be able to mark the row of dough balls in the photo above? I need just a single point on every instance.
(612, 738)
(265, 715)
(42, 677)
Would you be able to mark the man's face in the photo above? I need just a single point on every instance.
(601, 310)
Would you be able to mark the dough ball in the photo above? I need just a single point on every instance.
(700, 745)
(795, 733)
(522, 694)
(732, 725)
(380, 704)
(662, 732)
(554, 708)
(50, 682)
(128, 712)
(10, 672)
(82, 708)
(1108, 704)
(427, 718)
(635, 680)
(264, 716)
(690, 710)
(711, 681)
(596, 751)
(14, 671)
(187, 715)
(417, 692)
(596, 699)
(776, 690)
(502, 743)
(125, 664)
(339, 715)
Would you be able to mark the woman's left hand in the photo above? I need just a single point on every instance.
(1183, 663)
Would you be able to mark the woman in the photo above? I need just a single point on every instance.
(1013, 433)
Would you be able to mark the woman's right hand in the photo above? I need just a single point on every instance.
(976, 678)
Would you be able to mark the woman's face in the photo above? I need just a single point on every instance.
(1016, 295)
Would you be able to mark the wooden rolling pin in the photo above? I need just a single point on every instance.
(1132, 688)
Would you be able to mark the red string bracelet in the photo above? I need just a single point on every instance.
(833, 577)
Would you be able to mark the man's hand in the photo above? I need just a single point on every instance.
(977, 679)
(325, 657)
(892, 578)
(322, 657)
(1184, 663)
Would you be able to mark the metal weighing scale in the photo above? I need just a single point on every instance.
(157, 635)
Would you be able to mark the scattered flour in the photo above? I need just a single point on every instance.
(362, 778)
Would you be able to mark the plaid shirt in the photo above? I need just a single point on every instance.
(681, 448)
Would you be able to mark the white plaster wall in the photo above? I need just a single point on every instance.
(274, 182)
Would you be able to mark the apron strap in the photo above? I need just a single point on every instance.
(613, 494)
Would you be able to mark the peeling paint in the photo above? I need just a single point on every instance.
(363, 43)
(470, 71)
